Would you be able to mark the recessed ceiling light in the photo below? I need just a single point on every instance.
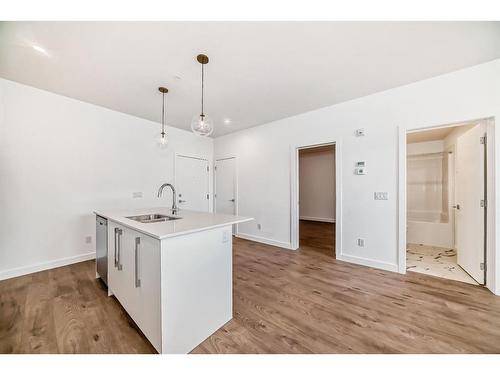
(227, 121)
(40, 49)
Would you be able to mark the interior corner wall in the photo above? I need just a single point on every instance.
(317, 184)
(60, 159)
(451, 139)
(263, 154)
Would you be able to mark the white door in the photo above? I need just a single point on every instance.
(225, 186)
(469, 190)
(191, 183)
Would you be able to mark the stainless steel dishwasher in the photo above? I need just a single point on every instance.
(101, 255)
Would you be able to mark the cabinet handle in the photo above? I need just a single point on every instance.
(137, 280)
(118, 261)
(116, 246)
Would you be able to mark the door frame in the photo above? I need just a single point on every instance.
(294, 192)
(236, 200)
(491, 212)
(451, 196)
(209, 189)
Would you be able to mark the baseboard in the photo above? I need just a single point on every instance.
(322, 219)
(267, 241)
(20, 271)
(369, 262)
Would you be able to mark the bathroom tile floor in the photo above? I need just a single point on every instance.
(435, 261)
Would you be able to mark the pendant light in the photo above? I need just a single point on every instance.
(202, 124)
(162, 141)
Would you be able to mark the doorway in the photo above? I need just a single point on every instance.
(226, 187)
(317, 199)
(192, 183)
(446, 195)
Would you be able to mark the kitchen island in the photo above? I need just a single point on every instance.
(172, 272)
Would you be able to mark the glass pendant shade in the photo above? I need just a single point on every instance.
(162, 140)
(202, 125)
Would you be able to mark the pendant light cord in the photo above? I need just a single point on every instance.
(202, 87)
(163, 114)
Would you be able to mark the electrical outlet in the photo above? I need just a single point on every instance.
(137, 194)
(259, 227)
(88, 239)
(380, 195)
(361, 242)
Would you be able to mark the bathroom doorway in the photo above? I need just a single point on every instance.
(446, 199)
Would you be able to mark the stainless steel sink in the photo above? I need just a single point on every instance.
(153, 218)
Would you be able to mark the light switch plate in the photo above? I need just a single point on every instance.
(360, 171)
(225, 236)
(380, 195)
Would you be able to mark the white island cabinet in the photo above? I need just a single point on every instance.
(134, 277)
(174, 278)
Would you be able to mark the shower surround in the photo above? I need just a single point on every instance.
(429, 182)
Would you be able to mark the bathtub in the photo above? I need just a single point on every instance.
(428, 228)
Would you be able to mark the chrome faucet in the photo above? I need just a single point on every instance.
(174, 196)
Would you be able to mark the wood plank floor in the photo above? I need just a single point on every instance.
(317, 236)
(284, 302)
(65, 310)
(308, 302)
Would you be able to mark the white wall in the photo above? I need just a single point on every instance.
(59, 160)
(317, 184)
(264, 157)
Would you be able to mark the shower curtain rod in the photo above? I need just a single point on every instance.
(430, 154)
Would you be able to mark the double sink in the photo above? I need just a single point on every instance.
(153, 218)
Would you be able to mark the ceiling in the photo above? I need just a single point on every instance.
(312, 150)
(437, 134)
(429, 135)
(258, 71)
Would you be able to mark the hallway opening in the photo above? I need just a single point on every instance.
(317, 194)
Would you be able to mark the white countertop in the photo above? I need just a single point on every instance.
(192, 221)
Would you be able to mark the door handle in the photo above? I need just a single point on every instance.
(137, 280)
(119, 233)
(457, 206)
(181, 201)
(231, 200)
